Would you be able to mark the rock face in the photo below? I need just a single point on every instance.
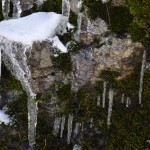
(112, 53)
(41, 66)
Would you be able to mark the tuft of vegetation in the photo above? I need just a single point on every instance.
(141, 25)
(63, 62)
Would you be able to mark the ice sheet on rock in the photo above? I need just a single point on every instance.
(35, 27)
(4, 118)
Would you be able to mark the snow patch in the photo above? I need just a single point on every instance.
(4, 118)
(58, 44)
(35, 27)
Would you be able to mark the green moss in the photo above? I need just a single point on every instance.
(63, 62)
(118, 18)
(17, 109)
(109, 75)
(73, 19)
(51, 6)
(64, 92)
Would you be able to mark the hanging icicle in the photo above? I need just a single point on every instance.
(104, 94)
(142, 76)
(76, 129)
(70, 120)
(16, 9)
(32, 120)
(91, 123)
(98, 101)
(56, 126)
(79, 20)
(66, 8)
(5, 8)
(122, 99)
(62, 126)
(127, 102)
(110, 106)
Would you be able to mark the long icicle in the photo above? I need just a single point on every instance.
(66, 8)
(110, 106)
(70, 120)
(104, 93)
(142, 76)
(16, 9)
(5, 8)
(62, 126)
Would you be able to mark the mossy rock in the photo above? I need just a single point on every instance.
(63, 62)
(118, 18)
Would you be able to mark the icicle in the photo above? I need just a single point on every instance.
(5, 8)
(82, 127)
(66, 8)
(105, 1)
(32, 120)
(127, 102)
(62, 126)
(104, 93)
(76, 129)
(56, 126)
(16, 9)
(89, 26)
(122, 99)
(20, 70)
(142, 76)
(70, 120)
(98, 100)
(77, 147)
(110, 106)
(79, 20)
(91, 123)
(77, 65)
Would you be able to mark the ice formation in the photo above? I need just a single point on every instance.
(18, 35)
(16, 9)
(110, 106)
(142, 76)
(70, 121)
(104, 93)
(62, 126)
(66, 8)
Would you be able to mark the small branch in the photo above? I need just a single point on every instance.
(44, 144)
(108, 15)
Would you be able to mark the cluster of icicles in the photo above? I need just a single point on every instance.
(32, 106)
(59, 122)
